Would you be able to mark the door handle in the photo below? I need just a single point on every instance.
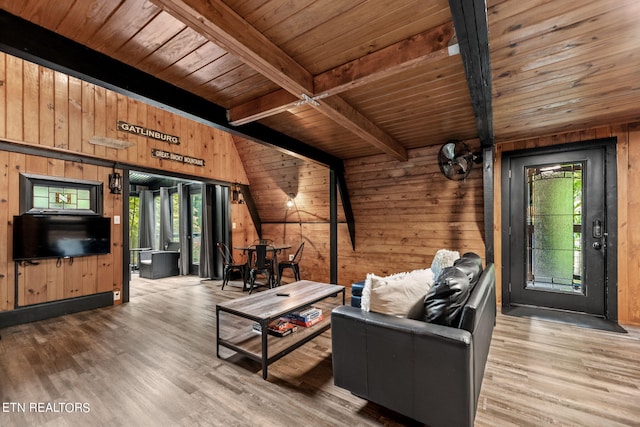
(597, 245)
(596, 229)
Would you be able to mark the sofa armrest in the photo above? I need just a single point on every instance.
(421, 370)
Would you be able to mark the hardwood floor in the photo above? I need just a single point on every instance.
(152, 362)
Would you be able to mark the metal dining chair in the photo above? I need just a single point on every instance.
(260, 264)
(230, 265)
(294, 264)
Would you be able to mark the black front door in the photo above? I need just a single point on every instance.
(559, 220)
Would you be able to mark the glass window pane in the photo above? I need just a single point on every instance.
(60, 194)
(84, 195)
(196, 221)
(54, 196)
(156, 203)
(175, 216)
(554, 218)
(40, 191)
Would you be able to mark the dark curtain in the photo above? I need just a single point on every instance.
(166, 225)
(147, 220)
(185, 236)
(215, 228)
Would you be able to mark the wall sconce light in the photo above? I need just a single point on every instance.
(290, 202)
(236, 195)
(115, 182)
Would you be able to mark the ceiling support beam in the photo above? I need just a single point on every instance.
(223, 26)
(488, 193)
(252, 208)
(418, 50)
(220, 24)
(266, 106)
(341, 180)
(333, 228)
(344, 114)
(472, 30)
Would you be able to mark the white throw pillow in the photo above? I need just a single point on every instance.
(397, 294)
(444, 258)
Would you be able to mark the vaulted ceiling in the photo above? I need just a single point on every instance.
(362, 77)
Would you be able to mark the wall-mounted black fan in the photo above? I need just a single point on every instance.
(456, 159)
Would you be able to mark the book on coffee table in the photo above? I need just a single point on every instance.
(280, 327)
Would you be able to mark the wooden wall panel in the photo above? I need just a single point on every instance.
(50, 109)
(46, 118)
(6, 266)
(31, 102)
(628, 157)
(629, 300)
(3, 94)
(243, 230)
(273, 175)
(50, 280)
(14, 100)
(47, 109)
(404, 211)
(61, 109)
(314, 264)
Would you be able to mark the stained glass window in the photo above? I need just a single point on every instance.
(61, 198)
(44, 194)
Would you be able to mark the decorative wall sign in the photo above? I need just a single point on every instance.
(149, 133)
(166, 155)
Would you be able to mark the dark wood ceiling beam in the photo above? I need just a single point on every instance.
(420, 49)
(220, 24)
(472, 31)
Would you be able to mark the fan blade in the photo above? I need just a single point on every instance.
(448, 150)
(463, 164)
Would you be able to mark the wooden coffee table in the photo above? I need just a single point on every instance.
(263, 307)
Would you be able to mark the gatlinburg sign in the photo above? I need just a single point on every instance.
(149, 133)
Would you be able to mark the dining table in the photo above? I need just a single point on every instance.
(273, 248)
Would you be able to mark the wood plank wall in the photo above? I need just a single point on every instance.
(628, 153)
(48, 281)
(272, 176)
(404, 211)
(46, 109)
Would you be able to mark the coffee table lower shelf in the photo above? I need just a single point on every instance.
(239, 336)
(250, 344)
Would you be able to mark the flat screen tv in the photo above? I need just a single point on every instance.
(60, 236)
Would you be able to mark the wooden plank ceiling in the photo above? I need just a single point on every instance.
(559, 66)
(363, 77)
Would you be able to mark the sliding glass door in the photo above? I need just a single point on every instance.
(195, 227)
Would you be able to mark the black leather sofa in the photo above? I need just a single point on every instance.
(429, 372)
